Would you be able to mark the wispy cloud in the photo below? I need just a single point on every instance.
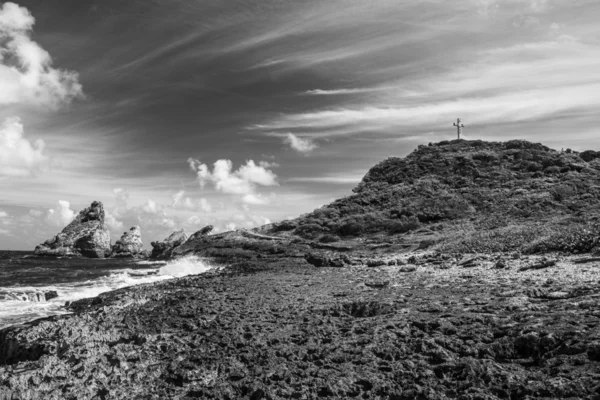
(299, 144)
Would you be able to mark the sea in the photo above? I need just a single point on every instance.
(24, 277)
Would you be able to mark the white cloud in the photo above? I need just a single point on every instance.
(112, 222)
(3, 214)
(299, 144)
(243, 182)
(18, 156)
(230, 227)
(332, 92)
(183, 202)
(61, 216)
(35, 213)
(150, 207)
(26, 72)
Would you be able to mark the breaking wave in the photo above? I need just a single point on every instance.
(24, 303)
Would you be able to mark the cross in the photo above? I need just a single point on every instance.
(459, 127)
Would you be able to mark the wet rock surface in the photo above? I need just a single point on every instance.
(280, 328)
(85, 236)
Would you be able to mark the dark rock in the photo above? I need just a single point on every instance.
(201, 233)
(130, 245)
(36, 296)
(407, 268)
(376, 263)
(321, 260)
(162, 250)
(85, 236)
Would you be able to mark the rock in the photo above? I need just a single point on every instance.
(130, 245)
(540, 265)
(202, 232)
(375, 263)
(162, 250)
(34, 297)
(407, 268)
(85, 236)
(320, 260)
(500, 264)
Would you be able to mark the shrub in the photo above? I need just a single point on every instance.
(552, 170)
(589, 155)
(308, 231)
(404, 225)
(487, 157)
(329, 238)
(562, 192)
(575, 239)
(350, 228)
(285, 226)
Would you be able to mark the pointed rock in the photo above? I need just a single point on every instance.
(85, 236)
(162, 250)
(130, 245)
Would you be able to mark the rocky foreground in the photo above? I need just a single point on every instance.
(432, 326)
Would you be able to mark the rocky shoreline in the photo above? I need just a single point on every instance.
(276, 327)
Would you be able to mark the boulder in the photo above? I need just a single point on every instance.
(130, 245)
(202, 232)
(162, 250)
(86, 236)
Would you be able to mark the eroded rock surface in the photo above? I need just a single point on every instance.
(85, 236)
(282, 329)
(130, 245)
(162, 250)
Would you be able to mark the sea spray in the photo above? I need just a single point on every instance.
(189, 265)
(16, 308)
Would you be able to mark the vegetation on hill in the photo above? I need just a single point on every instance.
(474, 196)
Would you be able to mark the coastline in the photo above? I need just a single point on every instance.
(277, 327)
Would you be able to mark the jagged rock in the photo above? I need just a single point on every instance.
(130, 245)
(85, 236)
(162, 250)
(202, 232)
(34, 297)
(320, 260)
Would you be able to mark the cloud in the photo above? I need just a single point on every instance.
(243, 182)
(183, 202)
(26, 72)
(112, 222)
(299, 144)
(150, 207)
(333, 92)
(18, 156)
(3, 214)
(60, 216)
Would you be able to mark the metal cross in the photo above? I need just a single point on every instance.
(459, 127)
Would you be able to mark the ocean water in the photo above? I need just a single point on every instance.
(22, 275)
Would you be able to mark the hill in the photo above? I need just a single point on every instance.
(469, 196)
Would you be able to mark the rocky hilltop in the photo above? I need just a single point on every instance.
(468, 196)
(85, 236)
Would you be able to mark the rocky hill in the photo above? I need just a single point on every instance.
(469, 196)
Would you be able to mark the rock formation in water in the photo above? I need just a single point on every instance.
(36, 296)
(130, 245)
(86, 236)
(162, 250)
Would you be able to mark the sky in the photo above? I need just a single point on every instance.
(183, 113)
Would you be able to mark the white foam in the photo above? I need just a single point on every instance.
(16, 311)
(190, 265)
